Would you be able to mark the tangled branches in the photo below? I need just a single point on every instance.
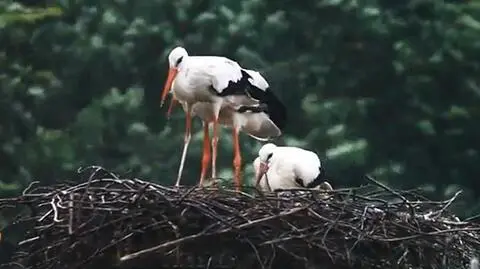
(112, 222)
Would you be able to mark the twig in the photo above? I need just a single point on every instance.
(412, 209)
(70, 213)
(449, 202)
(160, 247)
(28, 240)
(55, 210)
(24, 192)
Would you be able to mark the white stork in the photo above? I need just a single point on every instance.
(222, 92)
(282, 168)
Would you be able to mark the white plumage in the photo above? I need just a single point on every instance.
(220, 91)
(280, 168)
(196, 76)
(276, 181)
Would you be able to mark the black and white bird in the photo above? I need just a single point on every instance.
(221, 92)
(283, 168)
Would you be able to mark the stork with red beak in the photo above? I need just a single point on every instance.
(221, 92)
(283, 168)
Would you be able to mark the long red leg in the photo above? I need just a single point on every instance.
(170, 107)
(206, 154)
(188, 135)
(214, 148)
(237, 160)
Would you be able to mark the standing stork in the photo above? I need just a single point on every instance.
(215, 84)
(281, 168)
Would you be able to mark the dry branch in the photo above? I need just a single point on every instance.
(105, 221)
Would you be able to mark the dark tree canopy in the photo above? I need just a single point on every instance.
(380, 87)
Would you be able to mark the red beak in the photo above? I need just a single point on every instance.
(172, 73)
(170, 108)
(263, 169)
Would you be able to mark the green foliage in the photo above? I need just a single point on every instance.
(17, 13)
(372, 86)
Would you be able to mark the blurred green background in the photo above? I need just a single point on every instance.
(390, 88)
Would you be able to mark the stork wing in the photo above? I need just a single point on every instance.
(229, 78)
(222, 73)
(257, 80)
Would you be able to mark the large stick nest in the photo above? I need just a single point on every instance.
(106, 221)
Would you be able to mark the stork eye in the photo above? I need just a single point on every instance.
(179, 61)
(269, 156)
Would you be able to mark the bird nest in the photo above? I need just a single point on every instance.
(110, 222)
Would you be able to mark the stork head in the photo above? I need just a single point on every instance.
(176, 57)
(264, 155)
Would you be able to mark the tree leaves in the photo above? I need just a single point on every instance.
(15, 13)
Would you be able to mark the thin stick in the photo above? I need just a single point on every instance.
(70, 214)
